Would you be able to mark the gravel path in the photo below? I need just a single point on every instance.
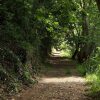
(57, 84)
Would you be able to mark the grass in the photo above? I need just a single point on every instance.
(95, 82)
(92, 78)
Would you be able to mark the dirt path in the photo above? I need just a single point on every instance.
(60, 81)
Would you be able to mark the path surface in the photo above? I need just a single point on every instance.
(60, 81)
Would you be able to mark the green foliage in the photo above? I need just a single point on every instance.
(12, 70)
(65, 50)
(10, 80)
(95, 82)
(29, 30)
(17, 40)
(26, 77)
(82, 70)
(92, 70)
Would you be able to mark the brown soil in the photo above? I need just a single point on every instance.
(59, 81)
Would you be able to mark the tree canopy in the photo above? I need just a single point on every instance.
(29, 29)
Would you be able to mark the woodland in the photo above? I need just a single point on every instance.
(31, 30)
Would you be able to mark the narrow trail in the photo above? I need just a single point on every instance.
(60, 81)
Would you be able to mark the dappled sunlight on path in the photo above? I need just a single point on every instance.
(73, 79)
(59, 81)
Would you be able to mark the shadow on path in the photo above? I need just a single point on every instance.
(61, 67)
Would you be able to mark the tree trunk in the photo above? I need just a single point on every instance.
(85, 52)
(76, 52)
(98, 4)
(45, 48)
(85, 48)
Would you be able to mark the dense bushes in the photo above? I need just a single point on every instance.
(18, 48)
(12, 70)
(91, 69)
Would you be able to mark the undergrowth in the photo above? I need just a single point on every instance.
(91, 69)
(13, 73)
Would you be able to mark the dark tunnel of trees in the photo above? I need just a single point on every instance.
(29, 29)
